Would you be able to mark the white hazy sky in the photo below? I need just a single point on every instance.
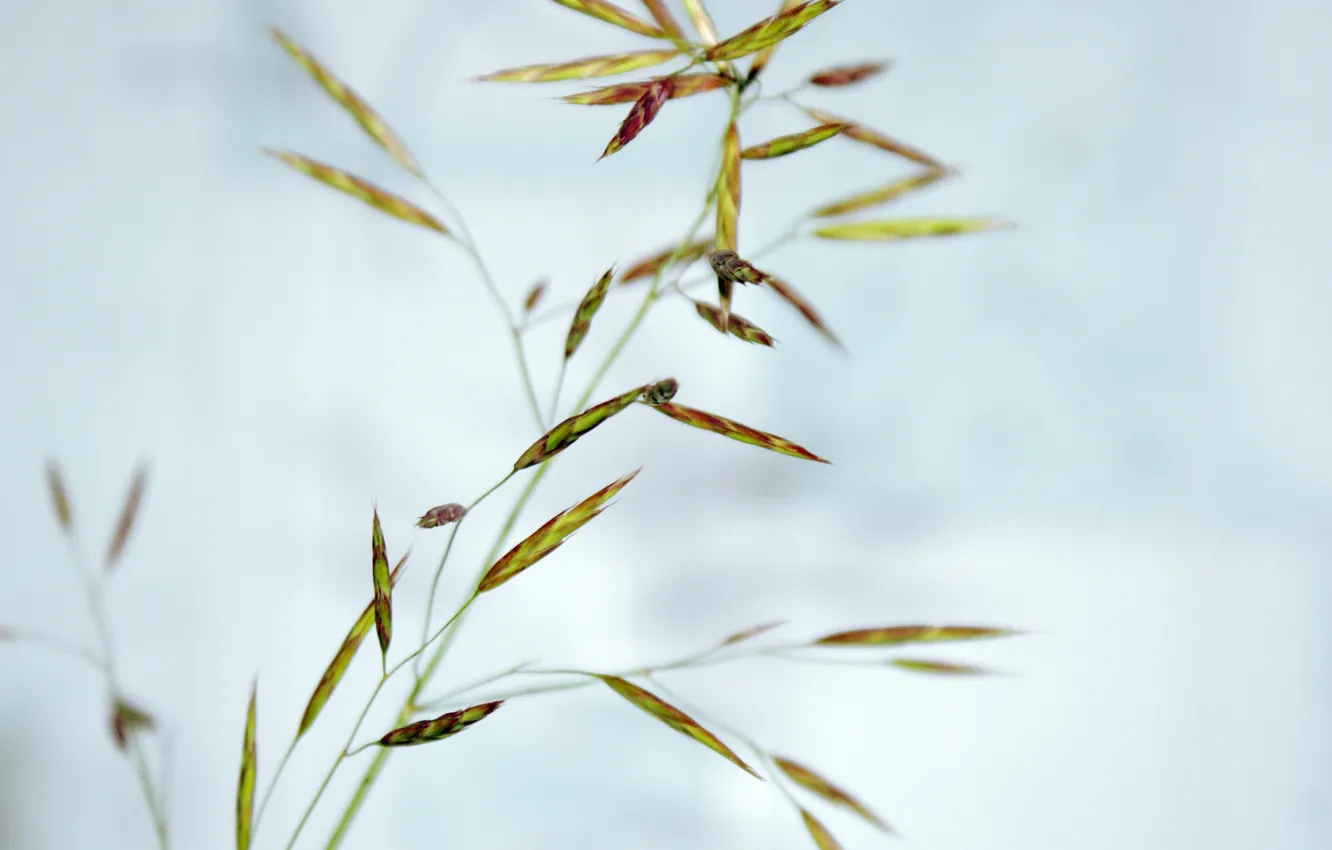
(1109, 426)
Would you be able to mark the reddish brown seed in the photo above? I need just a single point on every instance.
(534, 296)
(442, 515)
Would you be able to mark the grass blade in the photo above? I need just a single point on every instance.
(342, 659)
(892, 230)
(129, 511)
(444, 726)
(736, 431)
(552, 535)
(245, 786)
(818, 785)
(792, 142)
(362, 190)
(374, 126)
(674, 718)
(898, 635)
(581, 69)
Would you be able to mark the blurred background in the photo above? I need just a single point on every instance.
(1108, 426)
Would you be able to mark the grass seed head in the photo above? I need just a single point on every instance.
(129, 511)
(874, 138)
(441, 515)
(883, 194)
(674, 718)
(737, 326)
(728, 191)
(640, 114)
(735, 431)
(534, 296)
(728, 265)
(649, 266)
(792, 142)
(587, 308)
(768, 31)
(788, 294)
(893, 230)
(939, 668)
(684, 85)
(764, 56)
(374, 126)
(897, 635)
(821, 787)
(566, 433)
(383, 587)
(662, 15)
(823, 839)
(360, 189)
(581, 69)
(846, 75)
(245, 784)
(612, 14)
(444, 726)
(55, 487)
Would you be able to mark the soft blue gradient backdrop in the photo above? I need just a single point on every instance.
(1110, 426)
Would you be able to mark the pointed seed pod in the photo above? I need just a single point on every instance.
(129, 511)
(818, 785)
(768, 31)
(55, 486)
(360, 189)
(587, 308)
(640, 114)
(764, 56)
(612, 14)
(581, 69)
(126, 719)
(735, 431)
(739, 327)
(379, 571)
(896, 635)
(728, 191)
(846, 75)
(564, 434)
(245, 785)
(792, 142)
(684, 85)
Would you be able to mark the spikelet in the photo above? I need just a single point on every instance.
(552, 535)
(735, 431)
(792, 142)
(444, 726)
(379, 572)
(684, 85)
(846, 75)
(640, 115)
(648, 266)
(818, 785)
(358, 109)
(442, 515)
(764, 56)
(360, 189)
(129, 511)
(587, 308)
(768, 31)
(566, 433)
(581, 69)
(245, 784)
(662, 15)
(736, 325)
(896, 635)
(893, 230)
(788, 294)
(612, 14)
(874, 138)
(55, 487)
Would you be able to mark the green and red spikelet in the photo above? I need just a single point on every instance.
(360, 189)
(821, 787)
(738, 326)
(939, 668)
(444, 726)
(897, 635)
(662, 15)
(581, 69)
(379, 572)
(342, 659)
(374, 126)
(728, 191)
(587, 308)
(823, 839)
(640, 114)
(683, 85)
(893, 230)
(612, 14)
(768, 31)
(730, 270)
(883, 194)
(762, 57)
(649, 266)
(674, 718)
(846, 75)
(735, 431)
(874, 138)
(245, 784)
(129, 511)
(792, 142)
(442, 515)
(551, 536)
(566, 433)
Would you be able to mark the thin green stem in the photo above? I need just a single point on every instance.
(272, 783)
(468, 244)
(56, 644)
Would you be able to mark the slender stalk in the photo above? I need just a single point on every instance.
(468, 244)
(409, 705)
(59, 645)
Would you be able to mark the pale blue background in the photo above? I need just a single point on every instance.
(1110, 425)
